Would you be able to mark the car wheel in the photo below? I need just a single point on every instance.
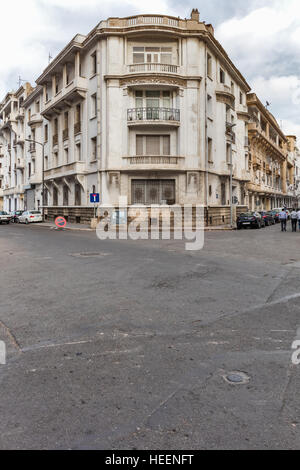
(26, 221)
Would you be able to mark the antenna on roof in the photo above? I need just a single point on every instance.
(20, 81)
(50, 57)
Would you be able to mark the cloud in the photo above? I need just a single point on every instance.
(261, 36)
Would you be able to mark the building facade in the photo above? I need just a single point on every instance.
(271, 166)
(148, 108)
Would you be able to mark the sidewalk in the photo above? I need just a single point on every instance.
(87, 228)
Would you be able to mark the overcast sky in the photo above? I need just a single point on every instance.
(262, 37)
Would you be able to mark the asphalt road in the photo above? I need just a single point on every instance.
(125, 345)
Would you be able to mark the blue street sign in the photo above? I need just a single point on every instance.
(95, 198)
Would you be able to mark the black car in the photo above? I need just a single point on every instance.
(268, 217)
(15, 216)
(250, 219)
(275, 215)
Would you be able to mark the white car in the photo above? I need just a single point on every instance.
(29, 217)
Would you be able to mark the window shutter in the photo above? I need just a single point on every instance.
(139, 145)
(166, 145)
(152, 145)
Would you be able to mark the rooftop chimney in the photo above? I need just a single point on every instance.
(195, 15)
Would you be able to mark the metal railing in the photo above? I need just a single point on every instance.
(153, 114)
(153, 67)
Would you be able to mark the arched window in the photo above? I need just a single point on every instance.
(77, 195)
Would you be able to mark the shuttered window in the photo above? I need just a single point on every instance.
(153, 145)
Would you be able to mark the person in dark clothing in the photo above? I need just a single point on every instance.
(294, 219)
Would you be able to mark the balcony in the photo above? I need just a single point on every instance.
(20, 114)
(75, 90)
(62, 171)
(154, 162)
(35, 120)
(160, 116)
(35, 179)
(224, 95)
(153, 68)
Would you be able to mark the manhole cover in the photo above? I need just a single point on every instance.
(236, 378)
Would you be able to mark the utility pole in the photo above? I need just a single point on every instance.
(43, 174)
(231, 174)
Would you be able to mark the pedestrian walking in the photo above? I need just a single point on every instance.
(294, 219)
(283, 219)
(298, 214)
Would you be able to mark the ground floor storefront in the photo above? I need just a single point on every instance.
(263, 201)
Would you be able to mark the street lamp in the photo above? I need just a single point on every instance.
(231, 126)
(43, 178)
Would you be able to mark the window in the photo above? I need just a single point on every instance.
(209, 66)
(55, 129)
(241, 98)
(222, 76)
(77, 195)
(78, 113)
(46, 133)
(210, 150)
(46, 163)
(228, 153)
(65, 195)
(29, 170)
(94, 148)
(37, 107)
(55, 197)
(94, 63)
(232, 88)
(66, 155)
(153, 192)
(156, 55)
(55, 159)
(94, 105)
(78, 152)
(209, 106)
(66, 120)
(210, 190)
(153, 145)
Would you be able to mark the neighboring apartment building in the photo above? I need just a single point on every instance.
(12, 140)
(150, 108)
(271, 168)
(294, 156)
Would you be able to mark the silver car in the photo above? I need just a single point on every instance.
(30, 217)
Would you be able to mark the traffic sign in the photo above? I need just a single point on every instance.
(60, 222)
(95, 198)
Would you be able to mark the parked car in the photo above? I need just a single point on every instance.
(4, 217)
(15, 216)
(268, 218)
(29, 217)
(250, 219)
(275, 215)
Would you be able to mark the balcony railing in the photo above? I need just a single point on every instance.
(153, 114)
(153, 67)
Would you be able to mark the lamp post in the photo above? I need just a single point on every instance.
(43, 178)
(231, 126)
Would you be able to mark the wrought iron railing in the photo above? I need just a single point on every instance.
(153, 114)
